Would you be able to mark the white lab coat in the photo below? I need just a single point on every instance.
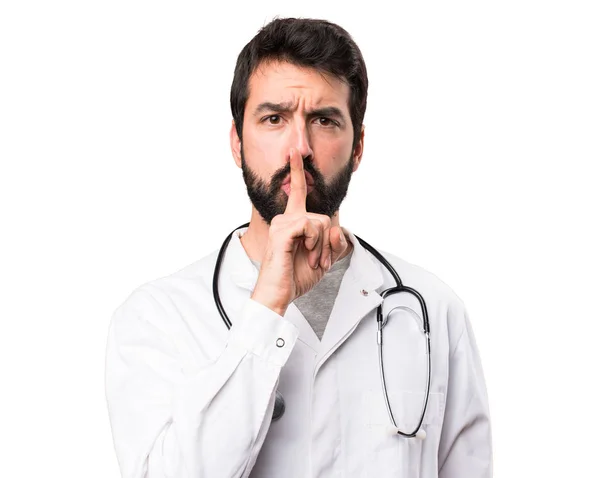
(188, 398)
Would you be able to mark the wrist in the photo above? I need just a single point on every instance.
(274, 305)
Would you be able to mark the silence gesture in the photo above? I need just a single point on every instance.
(301, 247)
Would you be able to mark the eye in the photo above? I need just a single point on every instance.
(323, 121)
(273, 119)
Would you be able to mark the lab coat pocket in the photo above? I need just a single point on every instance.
(390, 453)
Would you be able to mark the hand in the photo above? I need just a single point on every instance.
(301, 247)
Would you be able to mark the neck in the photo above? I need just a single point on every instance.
(256, 237)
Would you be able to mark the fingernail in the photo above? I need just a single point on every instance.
(328, 262)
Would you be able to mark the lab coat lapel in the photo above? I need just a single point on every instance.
(244, 275)
(357, 297)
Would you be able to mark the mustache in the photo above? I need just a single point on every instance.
(280, 175)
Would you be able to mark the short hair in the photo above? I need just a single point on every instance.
(304, 42)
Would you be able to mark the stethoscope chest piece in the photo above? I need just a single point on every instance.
(279, 409)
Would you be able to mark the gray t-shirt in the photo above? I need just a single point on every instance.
(316, 305)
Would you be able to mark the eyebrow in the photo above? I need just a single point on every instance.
(287, 107)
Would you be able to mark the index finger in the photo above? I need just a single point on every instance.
(297, 199)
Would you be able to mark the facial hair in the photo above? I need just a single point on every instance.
(270, 200)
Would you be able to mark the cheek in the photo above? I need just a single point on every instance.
(265, 153)
(334, 152)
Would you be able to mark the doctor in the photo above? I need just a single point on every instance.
(188, 397)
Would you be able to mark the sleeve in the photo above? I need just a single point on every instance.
(170, 421)
(466, 443)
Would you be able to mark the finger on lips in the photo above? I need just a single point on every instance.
(297, 197)
(320, 238)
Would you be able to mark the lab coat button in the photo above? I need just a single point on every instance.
(364, 292)
(280, 342)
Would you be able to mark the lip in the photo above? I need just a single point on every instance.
(309, 180)
(287, 188)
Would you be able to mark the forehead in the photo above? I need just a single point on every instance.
(281, 81)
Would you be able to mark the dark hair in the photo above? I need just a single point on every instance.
(303, 42)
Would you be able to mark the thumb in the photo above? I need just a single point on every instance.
(338, 243)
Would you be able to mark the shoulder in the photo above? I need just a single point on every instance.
(178, 290)
(418, 277)
(446, 310)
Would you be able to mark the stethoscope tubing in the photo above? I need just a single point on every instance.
(380, 324)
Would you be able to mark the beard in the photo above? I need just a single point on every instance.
(270, 200)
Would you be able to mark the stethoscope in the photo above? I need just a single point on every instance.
(279, 409)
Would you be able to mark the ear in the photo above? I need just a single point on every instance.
(358, 150)
(236, 145)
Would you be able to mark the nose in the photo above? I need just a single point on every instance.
(301, 140)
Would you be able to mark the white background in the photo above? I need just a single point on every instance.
(481, 165)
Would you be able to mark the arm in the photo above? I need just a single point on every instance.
(465, 444)
(170, 421)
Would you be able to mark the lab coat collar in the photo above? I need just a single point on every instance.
(356, 297)
(243, 272)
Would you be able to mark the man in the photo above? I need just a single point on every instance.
(190, 397)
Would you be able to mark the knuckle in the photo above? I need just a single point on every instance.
(323, 219)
